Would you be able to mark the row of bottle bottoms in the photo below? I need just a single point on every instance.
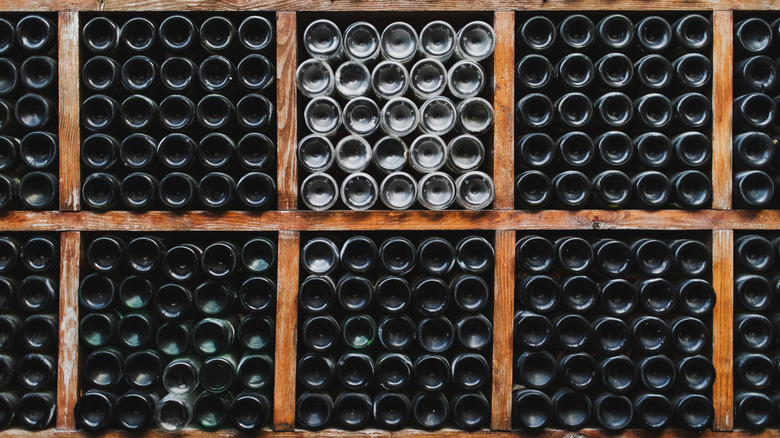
(399, 41)
(438, 334)
(755, 35)
(534, 410)
(611, 257)
(426, 79)
(577, 149)
(652, 33)
(612, 335)
(253, 112)
(393, 294)
(135, 410)
(181, 262)
(30, 111)
(37, 73)
(141, 74)
(399, 116)
(652, 111)
(654, 72)
(32, 34)
(178, 151)
(36, 254)
(614, 189)
(36, 332)
(177, 190)
(178, 33)
(397, 255)
(31, 410)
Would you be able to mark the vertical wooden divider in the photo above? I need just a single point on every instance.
(286, 331)
(69, 141)
(503, 104)
(68, 357)
(722, 328)
(723, 67)
(286, 116)
(503, 315)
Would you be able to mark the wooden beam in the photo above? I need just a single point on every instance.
(503, 316)
(503, 104)
(69, 137)
(68, 357)
(722, 328)
(286, 331)
(286, 97)
(722, 101)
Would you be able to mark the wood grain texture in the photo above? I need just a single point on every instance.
(722, 67)
(286, 99)
(69, 140)
(392, 220)
(391, 5)
(503, 104)
(503, 315)
(722, 328)
(68, 357)
(286, 331)
(375, 433)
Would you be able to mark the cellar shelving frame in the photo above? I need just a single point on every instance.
(721, 220)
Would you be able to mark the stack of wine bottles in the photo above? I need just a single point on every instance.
(177, 329)
(613, 112)
(395, 331)
(405, 115)
(613, 333)
(756, 125)
(28, 112)
(29, 330)
(177, 112)
(756, 325)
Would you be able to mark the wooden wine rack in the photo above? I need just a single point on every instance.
(721, 220)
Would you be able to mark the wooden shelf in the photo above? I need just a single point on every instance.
(721, 220)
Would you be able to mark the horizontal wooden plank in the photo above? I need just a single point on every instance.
(374, 433)
(393, 220)
(365, 5)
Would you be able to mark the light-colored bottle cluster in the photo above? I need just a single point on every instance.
(387, 102)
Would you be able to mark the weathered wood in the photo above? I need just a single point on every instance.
(287, 123)
(722, 63)
(68, 357)
(286, 331)
(392, 5)
(503, 104)
(722, 328)
(69, 140)
(392, 220)
(503, 315)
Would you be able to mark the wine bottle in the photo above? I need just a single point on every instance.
(36, 34)
(100, 191)
(615, 148)
(649, 334)
(255, 33)
(537, 33)
(576, 149)
(573, 254)
(314, 411)
(94, 410)
(180, 376)
(618, 374)
(218, 373)
(316, 372)
(575, 70)
(39, 254)
(143, 369)
(696, 297)
(754, 371)
(753, 332)
(539, 293)
(653, 412)
(612, 258)
(320, 333)
(100, 35)
(695, 373)
(436, 335)
(250, 411)
(657, 373)
(397, 333)
(139, 74)
(178, 73)
(579, 293)
(654, 34)
(316, 294)
(615, 70)
(255, 371)
(654, 72)
(135, 409)
(99, 151)
(693, 70)
(137, 190)
(613, 412)
(177, 190)
(211, 336)
(392, 410)
(178, 33)
(534, 254)
(754, 253)
(353, 410)
(571, 409)
(173, 412)
(394, 371)
(214, 111)
(693, 412)
(36, 410)
(36, 293)
(691, 189)
(38, 73)
(470, 371)
(657, 296)
(754, 111)
(320, 256)
(575, 110)
(97, 330)
(693, 110)
(578, 371)
(145, 254)
(470, 410)
(212, 298)
(534, 72)
(535, 370)
(618, 297)
(98, 112)
(692, 32)
(752, 35)
(96, 292)
(753, 410)
(397, 255)
(36, 372)
(430, 410)
(358, 331)
(392, 294)
(138, 151)
(577, 32)
(255, 72)
(753, 293)
(256, 333)
(535, 150)
(532, 331)
(104, 368)
(355, 371)
(534, 189)
(754, 189)
(572, 188)
(654, 111)
(470, 293)
(615, 31)
(176, 112)
(173, 339)
(138, 34)
(572, 332)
